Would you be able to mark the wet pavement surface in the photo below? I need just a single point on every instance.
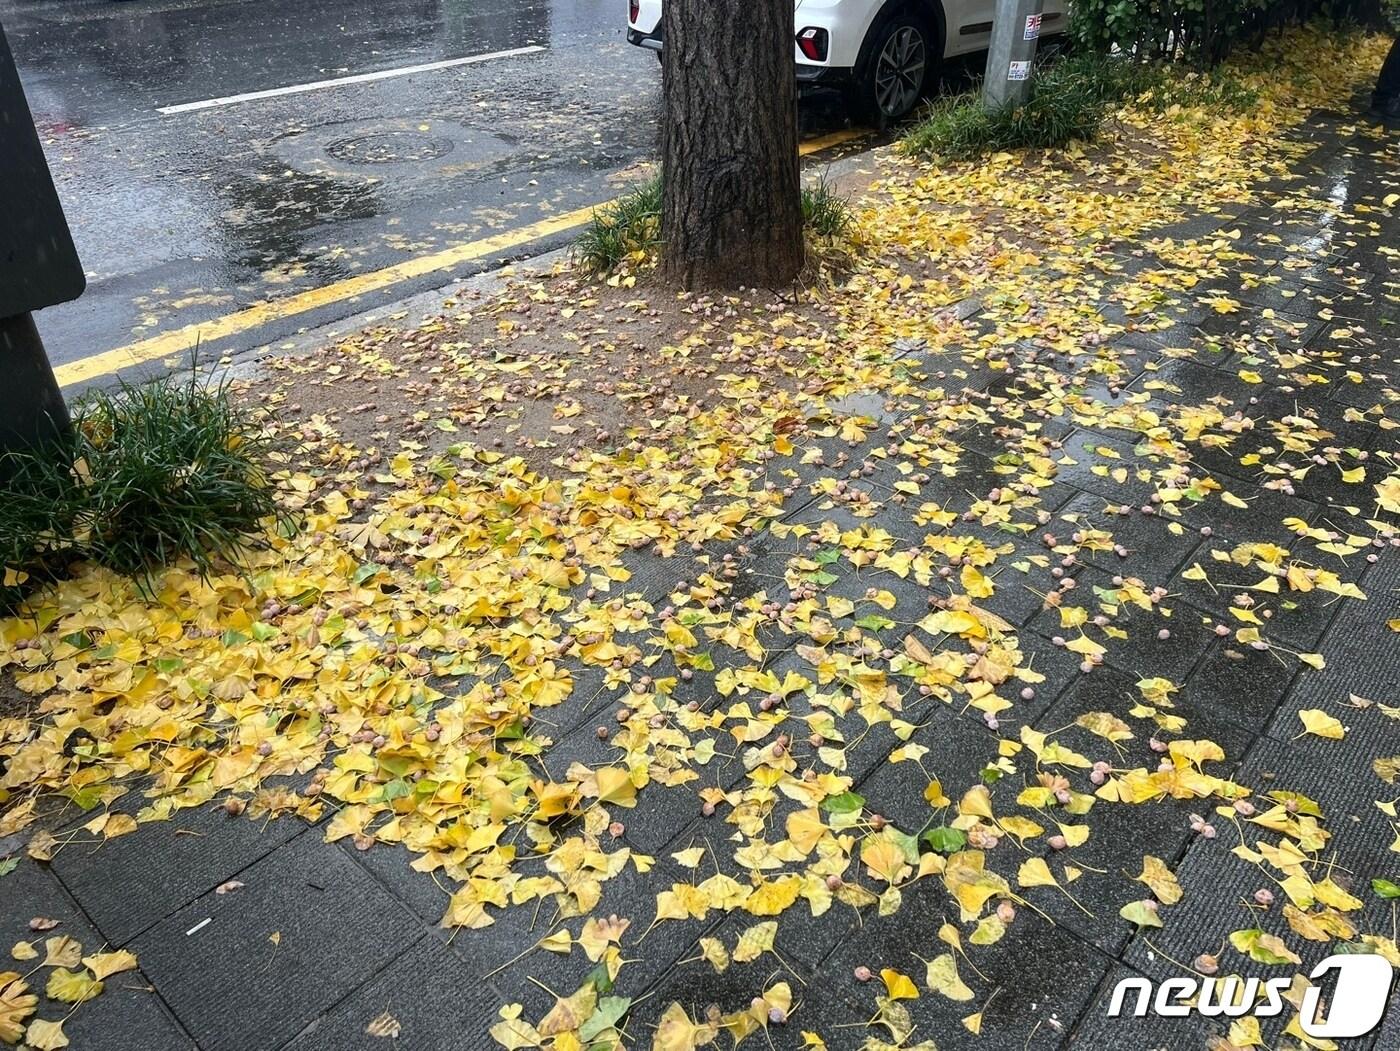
(187, 216)
(360, 936)
(191, 215)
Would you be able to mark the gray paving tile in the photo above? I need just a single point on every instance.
(1089, 450)
(1241, 684)
(1021, 585)
(1375, 393)
(1361, 833)
(1187, 381)
(307, 928)
(1219, 888)
(1060, 669)
(127, 1015)
(662, 811)
(1387, 1034)
(1344, 294)
(1096, 1030)
(425, 894)
(1262, 517)
(1363, 659)
(1218, 899)
(866, 746)
(698, 989)
(1155, 545)
(1282, 330)
(802, 939)
(131, 882)
(1144, 652)
(589, 696)
(993, 439)
(959, 749)
(428, 991)
(1117, 693)
(1121, 835)
(1296, 619)
(507, 952)
(1044, 976)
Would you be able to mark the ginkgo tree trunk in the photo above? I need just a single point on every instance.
(732, 206)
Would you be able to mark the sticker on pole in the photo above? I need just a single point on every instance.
(1019, 71)
(1033, 27)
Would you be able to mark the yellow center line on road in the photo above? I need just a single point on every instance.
(185, 338)
(179, 340)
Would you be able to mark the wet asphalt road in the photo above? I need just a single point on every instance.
(187, 217)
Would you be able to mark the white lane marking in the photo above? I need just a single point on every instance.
(358, 78)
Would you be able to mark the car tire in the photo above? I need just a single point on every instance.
(896, 70)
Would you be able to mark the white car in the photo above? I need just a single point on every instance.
(881, 52)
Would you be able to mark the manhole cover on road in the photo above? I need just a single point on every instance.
(389, 147)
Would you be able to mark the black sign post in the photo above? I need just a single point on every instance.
(38, 268)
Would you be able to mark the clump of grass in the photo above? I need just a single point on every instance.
(150, 473)
(833, 240)
(1069, 100)
(621, 228)
(825, 213)
(630, 226)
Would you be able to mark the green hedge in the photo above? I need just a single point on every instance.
(1203, 32)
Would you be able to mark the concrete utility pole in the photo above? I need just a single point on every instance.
(1012, 54)
(38, 268)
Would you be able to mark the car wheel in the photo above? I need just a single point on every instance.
(897, 69)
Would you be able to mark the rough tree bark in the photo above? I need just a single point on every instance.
(732, 209)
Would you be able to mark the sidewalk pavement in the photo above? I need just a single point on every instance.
(321, 945)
